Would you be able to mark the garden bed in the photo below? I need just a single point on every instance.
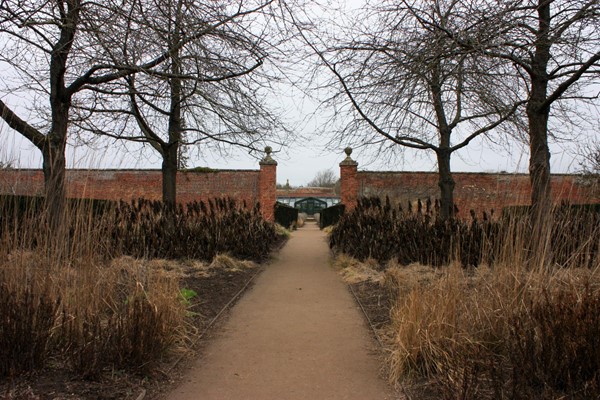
(215, 288)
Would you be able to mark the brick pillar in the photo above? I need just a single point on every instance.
(349, 181)
(267, 182)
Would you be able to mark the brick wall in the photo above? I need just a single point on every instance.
(477, 191)
(132, 184)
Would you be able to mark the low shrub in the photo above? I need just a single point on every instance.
(301, 219)
(331, 215)
(285, 215)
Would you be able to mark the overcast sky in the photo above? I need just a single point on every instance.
(300, 161)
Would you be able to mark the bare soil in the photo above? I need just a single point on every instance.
(376, 301)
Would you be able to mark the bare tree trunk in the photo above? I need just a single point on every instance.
(539, 161)
(171, 150)
(169, 175)
(541, 194)
(53, 148)
(539, 164)
(54, 167)
(446, 184)
(443, 152)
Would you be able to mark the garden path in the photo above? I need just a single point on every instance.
(297, 334)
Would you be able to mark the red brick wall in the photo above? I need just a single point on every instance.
(133, 184)
(477, 191)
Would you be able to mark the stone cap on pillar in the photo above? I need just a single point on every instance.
(268, 160)
(348, 161)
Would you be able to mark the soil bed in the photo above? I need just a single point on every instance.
(376, 302)
(56, 383)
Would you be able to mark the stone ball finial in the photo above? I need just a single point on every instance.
(268, 160)
(348, 161)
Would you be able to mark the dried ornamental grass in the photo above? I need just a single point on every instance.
(90, 315)
(377, 229)
(498, 333)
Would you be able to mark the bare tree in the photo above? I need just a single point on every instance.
(59, 50)
(206, 93)
(554, 46)
(48, 48)
(52, 49)
(324, 178)
(408, 84)
(590, 159)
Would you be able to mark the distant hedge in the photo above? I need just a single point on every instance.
(573, 208)
(331, 215)
(285, 215)
(35, 204)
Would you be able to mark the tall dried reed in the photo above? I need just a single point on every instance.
(512, 330)
(87, 295)
(377, 229)
(64, 300)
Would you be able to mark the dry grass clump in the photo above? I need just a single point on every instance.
(83, 295)
(510, 328)
(354, 271)
(501, 333)
(228, 263)
(86, 314)
(490, 319)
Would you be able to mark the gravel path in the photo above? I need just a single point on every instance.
(297, 334)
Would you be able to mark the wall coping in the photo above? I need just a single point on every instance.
(468, 173)
(136, 170)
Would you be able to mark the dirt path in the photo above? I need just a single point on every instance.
(296, 335)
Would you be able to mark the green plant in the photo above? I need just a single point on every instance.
(186, 295)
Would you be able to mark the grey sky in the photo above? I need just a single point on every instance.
(300, 161)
